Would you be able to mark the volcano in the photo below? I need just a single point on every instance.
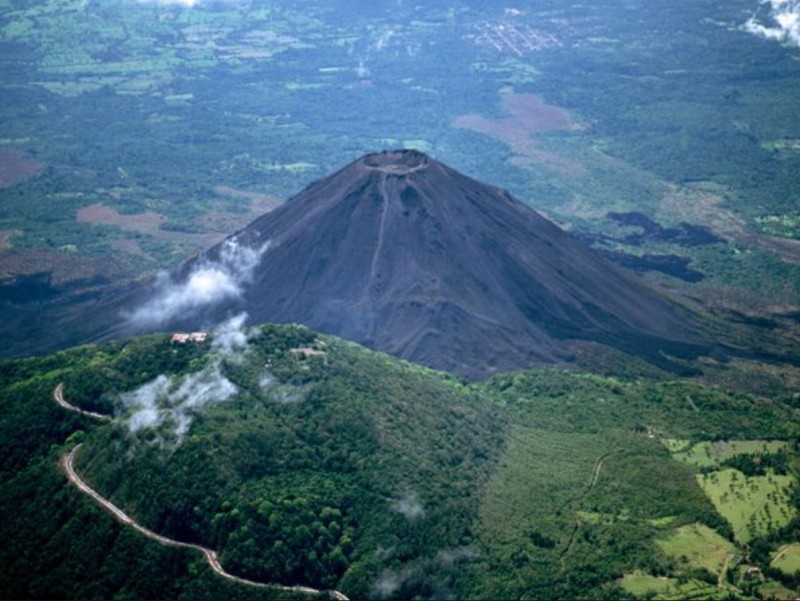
(405, 255)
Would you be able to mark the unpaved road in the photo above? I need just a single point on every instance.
(67, 463)
(781, 552)
(595, 477)
(58, 396)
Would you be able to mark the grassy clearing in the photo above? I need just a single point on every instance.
(640, 585)
(787, 559)
(710, 454)
(775, 590)
(698, 546)
(596, 517)
(661, 522)
(643, 585)
(676, 445)
(753, 505)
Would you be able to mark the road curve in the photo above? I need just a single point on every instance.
(592, 483)
(58, 397)
(67, 463)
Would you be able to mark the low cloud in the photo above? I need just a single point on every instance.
(168, 405)
(430, 572)
(782, 23)
(230, 338)
(409, 506)
(389, 581)
(208, 283)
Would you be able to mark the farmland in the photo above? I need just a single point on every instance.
(753, 505)
(645, 586)
(787, 559)
(696, 545)
(710, 454)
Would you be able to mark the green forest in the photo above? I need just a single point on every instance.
(344, 469)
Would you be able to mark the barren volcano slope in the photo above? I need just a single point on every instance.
(405, 255)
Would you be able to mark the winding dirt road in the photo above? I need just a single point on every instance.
(67, 464)
(592, 483)
(58, 396)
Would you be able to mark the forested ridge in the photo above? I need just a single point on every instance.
(339, 468)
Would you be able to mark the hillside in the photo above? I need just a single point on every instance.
(405, 255)
(305, 460)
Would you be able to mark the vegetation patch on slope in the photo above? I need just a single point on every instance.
(787, 559)
(336, 467)
(754, 505)
(697, 545)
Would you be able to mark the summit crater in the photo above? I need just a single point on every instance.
(406, 255)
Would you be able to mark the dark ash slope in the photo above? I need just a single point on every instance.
(405, 255)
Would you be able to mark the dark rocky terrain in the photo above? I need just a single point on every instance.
(405, 255)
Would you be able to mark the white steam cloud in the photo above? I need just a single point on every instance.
(168, 405)
(389, 581)
(208, 283)
(230, 338)
(783, 23)
(164, 403)
(409, 506)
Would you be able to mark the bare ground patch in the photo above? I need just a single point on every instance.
(218, 224)
(144, 223)
(226, 222)
(699, 206)
(6, 236)
(148, 223)
(132, 248)
(63, 267)
(16, 167)
(528, 116)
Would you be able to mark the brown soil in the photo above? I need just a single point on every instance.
(219, 224)
(16, 167)
(223, 222)
(259, 203)
(131, 247)
(148, 223)
(528, 117)
(63, 267)
(697, 206)
(144, 223)
(6, 236)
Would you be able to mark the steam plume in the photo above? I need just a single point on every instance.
(783, 24)
(168, 405)
(208, 283)
(409, 506)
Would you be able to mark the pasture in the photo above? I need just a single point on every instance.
(753, 505)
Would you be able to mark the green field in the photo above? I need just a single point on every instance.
(711, 454)
(753, 505)
(644, 586)
(787, 559)
(774, 590)
(698, 546)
